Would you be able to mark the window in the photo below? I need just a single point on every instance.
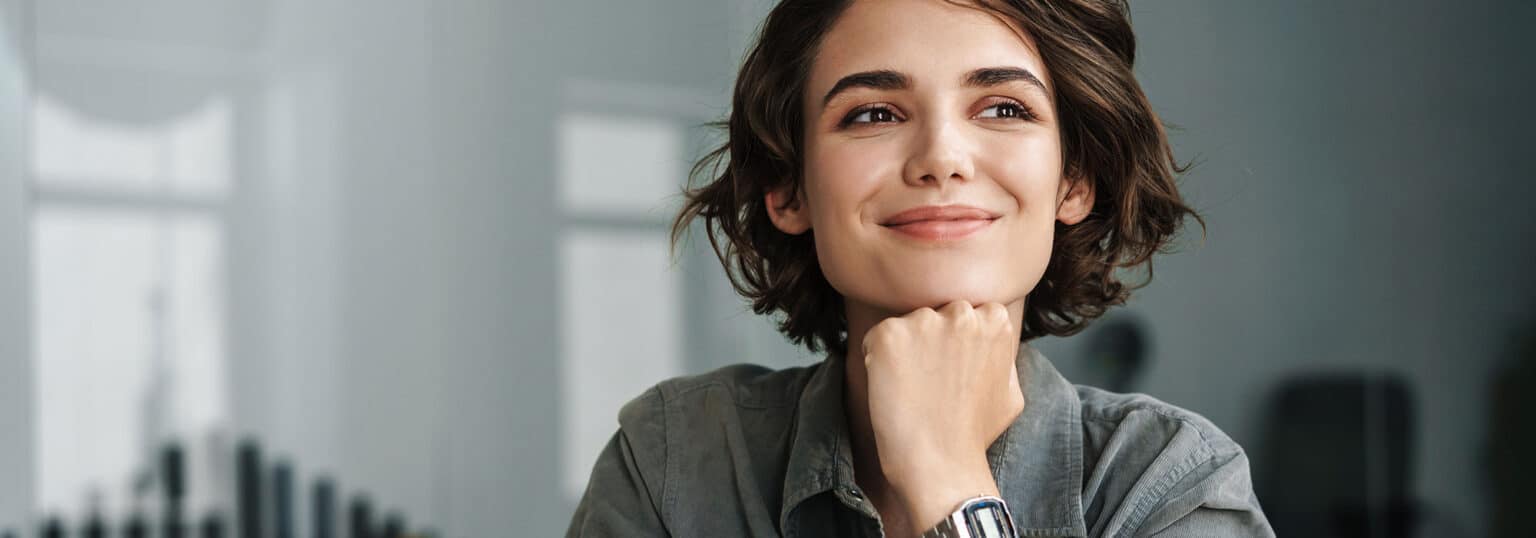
(619, 165)
(630, 316)
(128, 263)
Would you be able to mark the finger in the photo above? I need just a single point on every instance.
(955, 308)
(994, 314)
(960, 315)
(923, 314)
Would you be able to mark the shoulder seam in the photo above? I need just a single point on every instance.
(682, 386)
(736, 396)
(1205, 440)
(1160, 489)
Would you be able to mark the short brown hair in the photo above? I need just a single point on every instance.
(1109, 134)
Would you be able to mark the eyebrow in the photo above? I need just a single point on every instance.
(993, 76)
(886, 79)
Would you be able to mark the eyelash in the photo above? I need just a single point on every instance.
(1024, 113)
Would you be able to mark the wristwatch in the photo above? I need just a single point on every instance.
(977, 517)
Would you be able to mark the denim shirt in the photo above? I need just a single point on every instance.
(748, 451)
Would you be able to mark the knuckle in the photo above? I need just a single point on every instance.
(875, 336)
(994, 312)
(997, 317)
(955, 310)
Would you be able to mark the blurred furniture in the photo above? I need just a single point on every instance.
(264, 506)
(1337, 457)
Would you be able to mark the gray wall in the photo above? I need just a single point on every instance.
(15, 332)
(1361, 171)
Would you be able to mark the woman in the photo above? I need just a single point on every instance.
(917, 187)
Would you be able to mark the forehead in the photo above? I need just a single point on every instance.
(933, 41)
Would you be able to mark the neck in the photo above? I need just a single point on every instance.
(866, 456)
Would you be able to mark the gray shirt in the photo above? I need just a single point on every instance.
(749, 451)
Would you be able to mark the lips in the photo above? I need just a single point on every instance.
(932, 212)
(940, 223)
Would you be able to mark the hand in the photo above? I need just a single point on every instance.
(942, 387)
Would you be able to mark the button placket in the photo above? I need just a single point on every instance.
(855, 499)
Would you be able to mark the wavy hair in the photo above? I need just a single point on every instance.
(1109, 134)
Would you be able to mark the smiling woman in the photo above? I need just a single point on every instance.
(920, 187)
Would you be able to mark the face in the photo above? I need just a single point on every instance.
(933, 162)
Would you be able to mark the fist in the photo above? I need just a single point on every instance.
(942, 387)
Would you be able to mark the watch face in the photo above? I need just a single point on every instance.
(988, 521)
(989, 518)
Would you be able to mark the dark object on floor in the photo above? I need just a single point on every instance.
(362, 518)
(213, 526)
(173, 484)
(53, 528)
(282, 499)
(137, 527)
(248, 480)
(324, 509)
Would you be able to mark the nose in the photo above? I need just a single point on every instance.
(938, 155)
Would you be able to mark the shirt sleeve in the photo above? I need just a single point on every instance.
(624, 495)
(1213, 497)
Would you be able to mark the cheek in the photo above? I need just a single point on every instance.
(1030, 170)
(841, 177)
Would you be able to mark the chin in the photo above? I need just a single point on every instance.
(910, 283)
(935, 293)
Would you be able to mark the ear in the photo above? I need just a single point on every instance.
(787, 209)
(1074, 199)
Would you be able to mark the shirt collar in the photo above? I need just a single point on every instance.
(1037, 462)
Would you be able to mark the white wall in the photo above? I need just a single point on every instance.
(16, 472)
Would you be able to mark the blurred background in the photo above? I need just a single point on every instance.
(417, 250)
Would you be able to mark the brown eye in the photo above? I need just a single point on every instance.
(1006, 110)
(878, 114)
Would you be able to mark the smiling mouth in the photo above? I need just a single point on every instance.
(936, 212)
(941, 230)
(940, 223)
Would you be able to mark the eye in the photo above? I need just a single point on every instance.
(1007, 110)
(870, 114)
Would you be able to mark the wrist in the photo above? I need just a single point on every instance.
(923, 467)
(931, 497)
